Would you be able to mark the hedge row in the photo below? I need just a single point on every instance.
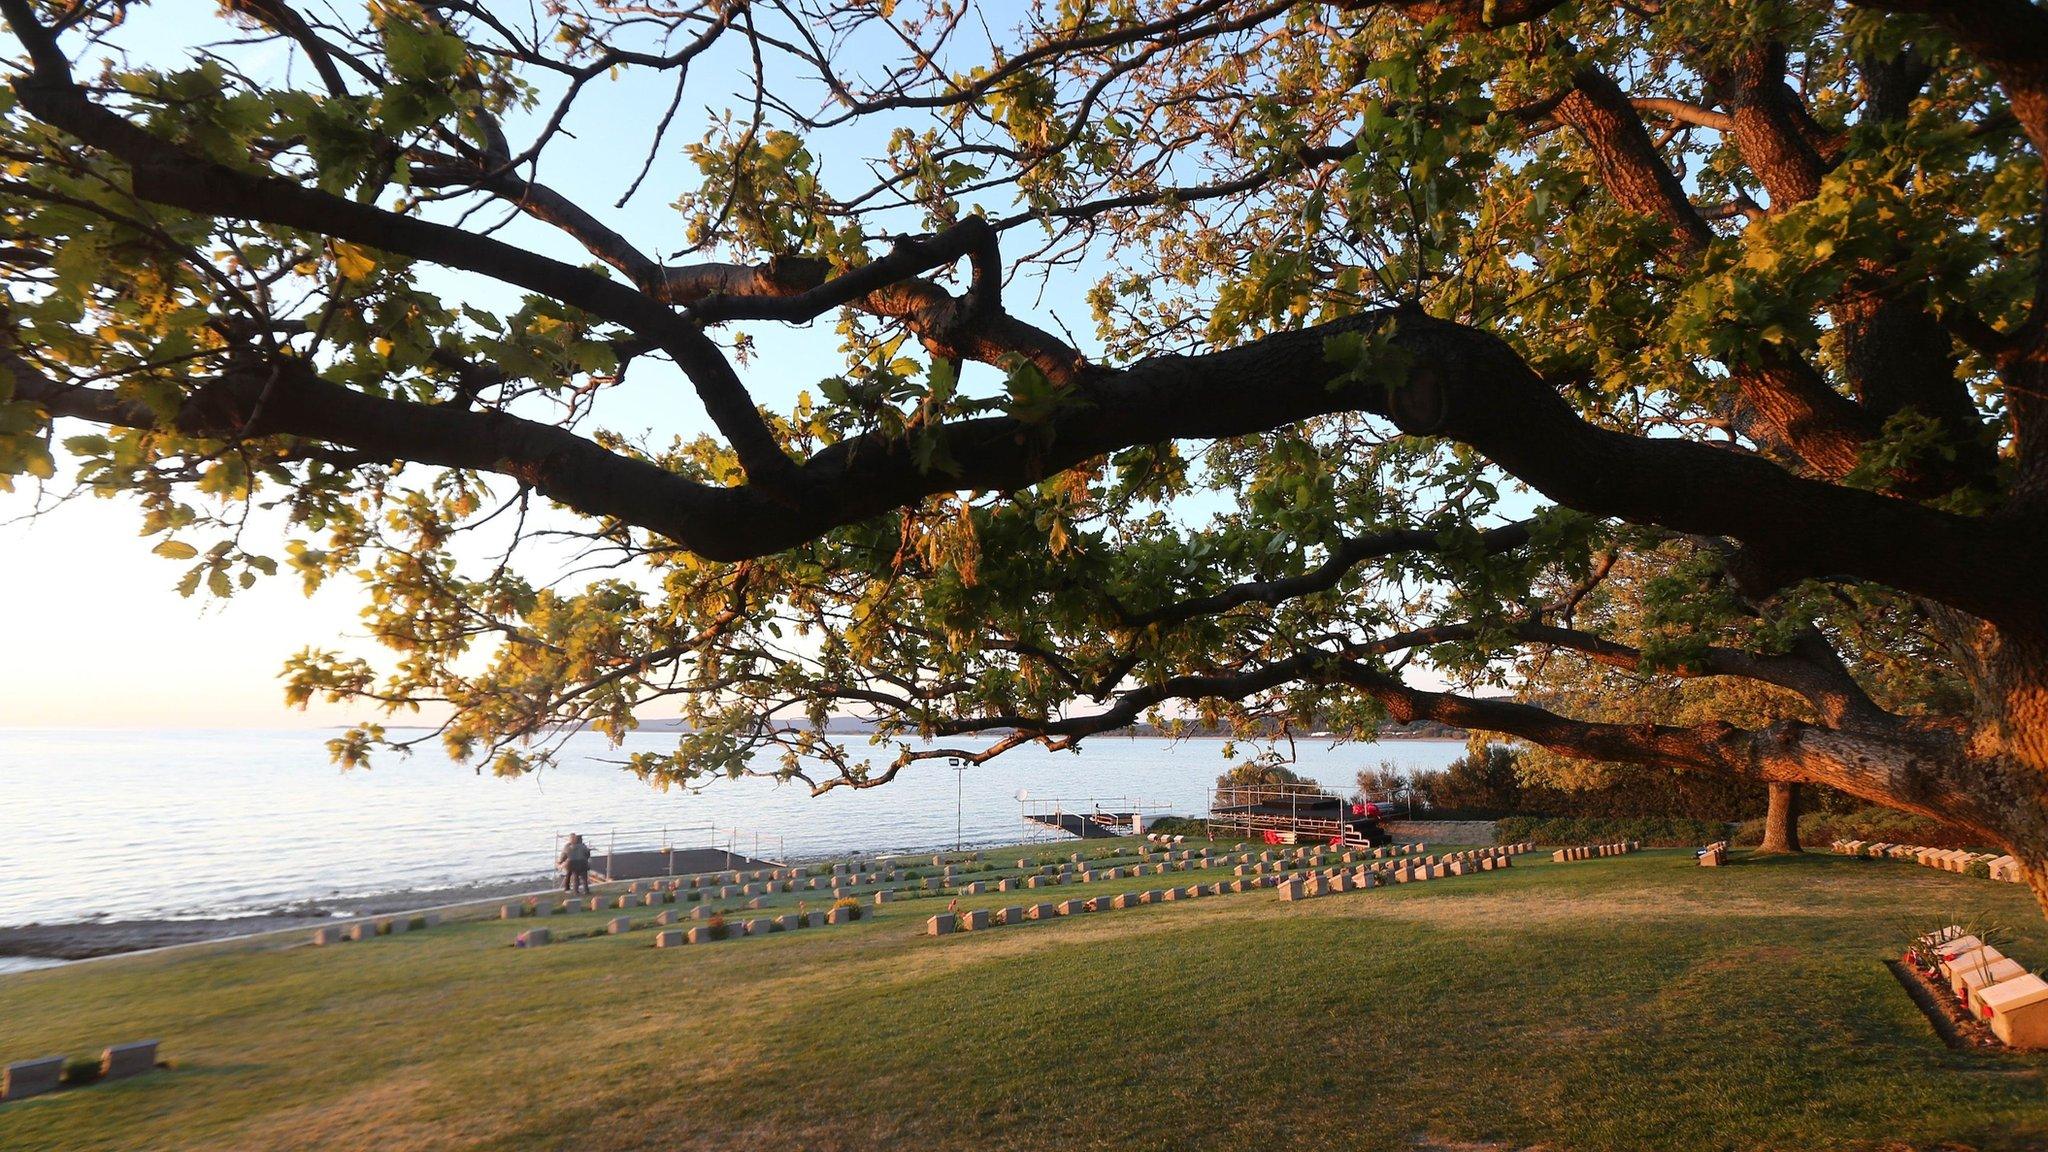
(1655, 832)
(1819, 829)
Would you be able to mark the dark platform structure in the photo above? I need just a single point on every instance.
(1090, 826)
(1087, 817)
(674, 850)
(647, 863)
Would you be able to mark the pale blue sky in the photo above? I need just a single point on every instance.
(97, 635)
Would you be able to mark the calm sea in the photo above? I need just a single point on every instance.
(124, 825)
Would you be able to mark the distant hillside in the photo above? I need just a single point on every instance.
(855, 725)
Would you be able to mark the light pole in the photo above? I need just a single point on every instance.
(959, 796)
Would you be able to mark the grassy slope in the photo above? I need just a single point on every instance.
(1630, 1003)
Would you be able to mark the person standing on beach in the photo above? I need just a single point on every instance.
(575, 864)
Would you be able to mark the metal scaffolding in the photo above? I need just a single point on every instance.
(1282, 813)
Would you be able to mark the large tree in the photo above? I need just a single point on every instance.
(1415, 322)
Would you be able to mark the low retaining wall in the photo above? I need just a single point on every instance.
(1441, 831)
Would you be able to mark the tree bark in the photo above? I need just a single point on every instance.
(1781, 822)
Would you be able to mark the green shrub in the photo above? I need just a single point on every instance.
(79, 1070)
(1495, 780)
(1261, 772)
(1178, 826)
(1819, 829)
(1653, 831)
(1479, 785)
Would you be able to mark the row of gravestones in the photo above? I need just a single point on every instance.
(666, 916)
(1160, 864)
(759, 893)
(1251, 874)
(399, 925)
(702, 879)
(840, 872)
(524, 909)
(761, 882)
(1292, 886)
(1061, 874)
(657, 896)
(843, 878)
(1590, 851)
(372, 928)
(979, 919)
(707, 933)
(777, 881)
(1991, 986)
(2005, 868)
(853, 874)
(1075, 870)
(25, 1078)
(845, 873)
(1379, 874)
(1076, 864)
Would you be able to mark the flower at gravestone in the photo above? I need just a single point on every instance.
(851, 905)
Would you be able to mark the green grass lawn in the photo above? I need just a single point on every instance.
(1628, 1003)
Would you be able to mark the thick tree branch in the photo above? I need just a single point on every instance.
(1833, 693)
(544, 204)
(951, 327)
(1462, 383)
(164, 173)
(1765, 124)
(1629, 167)
(1784, 403)
(1343, 558)
(1896, 354)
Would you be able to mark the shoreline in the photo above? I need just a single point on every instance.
(88, 939)
(102, 933)
(96, 938)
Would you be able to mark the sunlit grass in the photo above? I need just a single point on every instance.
(1638, 1002)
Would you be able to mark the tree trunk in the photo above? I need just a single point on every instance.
(1781, 823)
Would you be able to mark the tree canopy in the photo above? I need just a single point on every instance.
(1432, 349)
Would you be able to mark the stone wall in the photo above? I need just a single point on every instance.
(1441, 831)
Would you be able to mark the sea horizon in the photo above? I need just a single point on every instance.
(201, 823)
